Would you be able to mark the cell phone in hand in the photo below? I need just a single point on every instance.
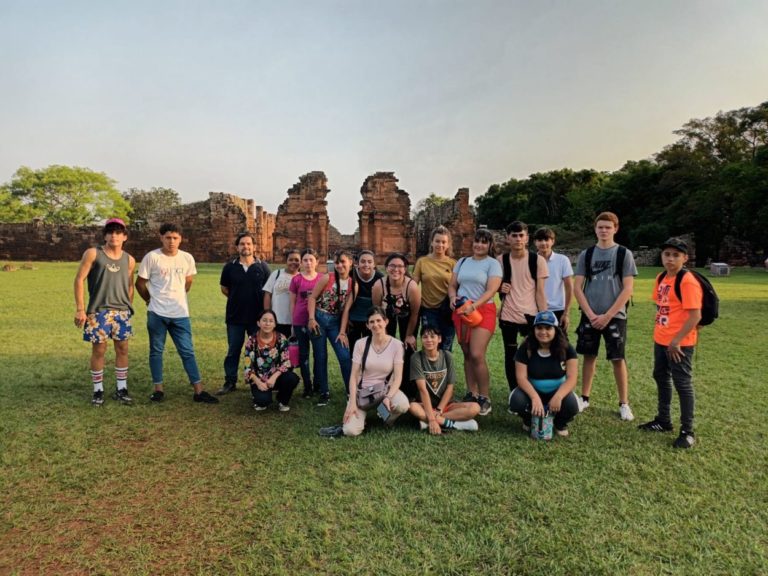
(383, 412)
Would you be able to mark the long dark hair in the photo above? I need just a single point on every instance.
(558, 347)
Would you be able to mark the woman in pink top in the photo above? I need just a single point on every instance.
(301, 287)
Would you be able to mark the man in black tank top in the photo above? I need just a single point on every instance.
(109, 271)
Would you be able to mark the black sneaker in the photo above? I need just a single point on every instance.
(684, 440)
(656, 426)
(324, 399)
(469, 397)
(98, 399)
(205, 398)
(226, 389)
(157, 396)
(307, 393)
(121, 395)
(332, 431)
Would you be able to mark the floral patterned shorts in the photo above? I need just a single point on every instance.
(108, 324)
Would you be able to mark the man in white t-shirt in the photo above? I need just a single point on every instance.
(559, 284)
(165, 277)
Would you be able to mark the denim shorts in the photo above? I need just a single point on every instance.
(108, 325)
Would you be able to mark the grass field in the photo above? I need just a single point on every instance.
(181, 488)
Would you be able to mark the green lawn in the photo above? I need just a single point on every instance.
(181, 488)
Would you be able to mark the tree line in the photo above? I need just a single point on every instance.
(712, 182)
(78, 196)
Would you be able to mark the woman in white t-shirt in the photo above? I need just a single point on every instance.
(277, 296)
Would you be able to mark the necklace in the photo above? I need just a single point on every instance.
(269, 342)
(382, 348)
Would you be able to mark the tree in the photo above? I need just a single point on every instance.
(146, 203)
(12, 209)
(63, 195)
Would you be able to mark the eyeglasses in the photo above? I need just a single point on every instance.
(395, 267)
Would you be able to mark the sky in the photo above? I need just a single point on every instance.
(246, 96)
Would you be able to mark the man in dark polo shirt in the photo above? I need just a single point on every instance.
(241, 282)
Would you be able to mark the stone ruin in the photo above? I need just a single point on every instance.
(302, 219)
(455, 215)
(384, 219)
(210, 227)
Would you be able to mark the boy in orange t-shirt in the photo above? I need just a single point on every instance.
(675, 336)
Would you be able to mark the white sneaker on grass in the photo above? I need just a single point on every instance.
(625, 412)
(466, 425)
(583, 404)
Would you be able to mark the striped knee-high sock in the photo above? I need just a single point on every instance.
(97, 378)
(122, 377)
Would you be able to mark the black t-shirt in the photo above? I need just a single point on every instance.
(543, 372)
(246, 299)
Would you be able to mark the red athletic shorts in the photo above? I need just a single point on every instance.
(487, 311)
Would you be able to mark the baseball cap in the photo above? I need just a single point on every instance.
(117, 221)
(545, 318)
(676, 243)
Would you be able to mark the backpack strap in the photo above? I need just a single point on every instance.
(588, 263)
(506, 275)
(533, 266)
(621, 254)
(278, 274)
(678, 281)
(365, 356)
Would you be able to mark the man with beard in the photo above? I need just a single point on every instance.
(242, 281)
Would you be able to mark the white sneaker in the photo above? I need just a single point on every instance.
(625, 412)
(583, 404)
(283, 407)
(466, 425)
(423, 425)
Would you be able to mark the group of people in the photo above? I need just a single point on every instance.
(372, 321)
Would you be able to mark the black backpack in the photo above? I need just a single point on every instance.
(710, 302)
(533, 268)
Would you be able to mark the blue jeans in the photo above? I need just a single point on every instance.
(438, 318)
(330, 327)
(180, 330)
(235, 340)
(320, 353)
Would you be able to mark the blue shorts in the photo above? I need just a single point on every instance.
(108, 325)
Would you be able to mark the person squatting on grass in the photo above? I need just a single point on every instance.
(377, 369)
(109, 271)
(241, 282)
(399, 295)
(277, 295)
(433, 272)
(325, 305)
(354, 317)
(267, 365)
(165, 277)
(476, 278)
(301, 287)
(432, 372)
(603, 284)
(675, 336)
(547, 369)
(521, 292)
